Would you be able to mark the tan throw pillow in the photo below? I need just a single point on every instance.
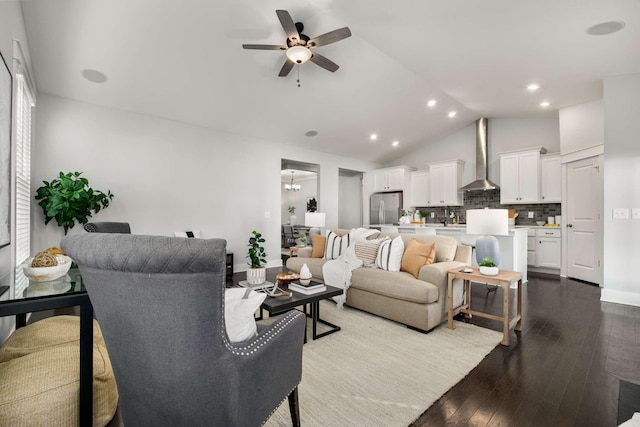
(366, 251)
(318, 242)
(416, 255)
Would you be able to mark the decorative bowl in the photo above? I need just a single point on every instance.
(45, 274)
(285, 278)
(540, 223)
(305, 282)
(489, 271)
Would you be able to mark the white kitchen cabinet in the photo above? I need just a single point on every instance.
(550, 177)
(531, 247)
(419, 189)
(520, 177)
(391, 179)
(445, 179)
(548, 248)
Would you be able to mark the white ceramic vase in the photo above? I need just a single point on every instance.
(256, 276)
(305, 274)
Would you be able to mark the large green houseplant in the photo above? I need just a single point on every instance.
(69, 198)
(257, 272)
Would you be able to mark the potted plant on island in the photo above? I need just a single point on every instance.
(292, 215)
(68, 198)
(488, 267)
(257, 272)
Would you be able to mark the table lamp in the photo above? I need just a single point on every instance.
(488, 223)
(315, 220)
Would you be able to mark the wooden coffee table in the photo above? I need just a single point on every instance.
(278, 305)
(503, 279)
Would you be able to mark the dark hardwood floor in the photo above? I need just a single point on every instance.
(563, 369)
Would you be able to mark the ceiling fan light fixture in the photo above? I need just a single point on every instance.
(298, 54)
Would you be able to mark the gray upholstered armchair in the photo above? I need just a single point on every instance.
(108, 227)
(159, 302)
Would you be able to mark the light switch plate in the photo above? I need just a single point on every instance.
(530, 214)
(267, 215)
(635, 213)
(620, 213)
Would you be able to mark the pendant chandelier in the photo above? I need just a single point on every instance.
(292, 186)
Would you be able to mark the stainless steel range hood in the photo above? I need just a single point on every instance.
(482, 182)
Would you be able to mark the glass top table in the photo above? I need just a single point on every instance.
(68, 291)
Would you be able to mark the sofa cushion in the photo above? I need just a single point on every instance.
(45, 333)
(416, 255)
(446, 246)
(389, 255)
(336, 245)
(318, 243)
(398, 285)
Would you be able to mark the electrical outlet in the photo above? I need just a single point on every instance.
(620, 213)
(433, 214)
(531, 215)
(635, 213)
(267, 215)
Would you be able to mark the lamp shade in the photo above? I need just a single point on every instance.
(494, 222)
(298, 54)
(314, 219)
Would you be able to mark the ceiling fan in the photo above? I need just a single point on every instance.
(298, 47)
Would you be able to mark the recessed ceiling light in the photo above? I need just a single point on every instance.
(452, 114)
(605, 28)
(395, 143)
(311, 133)
(545, 104)
(432, 103)
(533, 87)
(94, 76)
(373, 137)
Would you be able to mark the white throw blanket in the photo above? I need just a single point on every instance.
(337, 272)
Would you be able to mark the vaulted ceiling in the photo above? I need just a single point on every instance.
(183, 60)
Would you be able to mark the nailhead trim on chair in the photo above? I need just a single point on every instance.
(276, 328)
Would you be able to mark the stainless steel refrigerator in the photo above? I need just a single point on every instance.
(386, 208)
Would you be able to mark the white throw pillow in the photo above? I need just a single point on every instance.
(195, 234)
(390, 254)
(336, 245)
(239, 312)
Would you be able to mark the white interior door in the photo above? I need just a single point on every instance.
(583, 224)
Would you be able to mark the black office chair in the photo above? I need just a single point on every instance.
(290, 236)
(108, 227)
(160, 304)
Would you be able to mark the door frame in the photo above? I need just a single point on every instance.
(598, 152)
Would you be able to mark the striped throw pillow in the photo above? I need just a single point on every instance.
(336, 245)
(367, 251)
(390, 254)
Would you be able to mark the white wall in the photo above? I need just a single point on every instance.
(350, 196)
(169, 176)
(11, 27)
(581, 126)
(504, 135)
(621, 188)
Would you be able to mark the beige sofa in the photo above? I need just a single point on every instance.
(418, 303)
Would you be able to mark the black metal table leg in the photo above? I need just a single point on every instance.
(86, 364)
(315, 317)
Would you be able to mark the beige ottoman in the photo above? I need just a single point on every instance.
(40, 375)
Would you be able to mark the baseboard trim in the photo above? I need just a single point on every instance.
(620, 297)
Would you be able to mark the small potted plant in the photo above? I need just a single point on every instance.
(292, 215)
(488, 267)
(303, 241)
(257, 272)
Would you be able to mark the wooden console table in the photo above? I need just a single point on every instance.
(503, 279)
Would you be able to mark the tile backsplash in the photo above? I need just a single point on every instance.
(491, 199)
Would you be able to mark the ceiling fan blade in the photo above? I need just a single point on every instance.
(330, 37)
(286, 68)
(325, 63)
(288, 25)
(264, 46)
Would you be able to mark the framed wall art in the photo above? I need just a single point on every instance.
(6, 85)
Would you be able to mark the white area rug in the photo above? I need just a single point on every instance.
(375, 372)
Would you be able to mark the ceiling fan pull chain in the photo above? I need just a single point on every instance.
(298, 75)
